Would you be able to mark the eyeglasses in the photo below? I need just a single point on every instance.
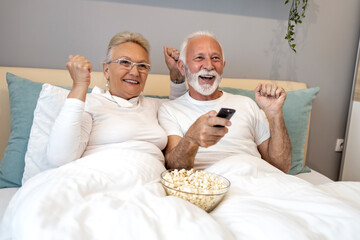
(128, 65)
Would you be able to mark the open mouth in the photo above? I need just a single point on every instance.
(207, 77)
(131, 81)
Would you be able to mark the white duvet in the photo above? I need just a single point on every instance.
(116, 194)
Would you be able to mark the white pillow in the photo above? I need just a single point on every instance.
(49, 104)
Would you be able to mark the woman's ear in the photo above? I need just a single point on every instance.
(106, 71)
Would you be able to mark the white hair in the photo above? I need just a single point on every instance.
(182, 56)
(124, 37)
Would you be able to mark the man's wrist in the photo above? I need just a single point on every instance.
(190, 142)
(177, 80)
(273, 116)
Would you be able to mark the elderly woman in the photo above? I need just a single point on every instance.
(119, 117)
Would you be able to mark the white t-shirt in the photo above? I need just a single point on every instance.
(107, 121)
(249, 128)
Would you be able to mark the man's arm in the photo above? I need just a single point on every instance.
(181, 151)
(277, 149)
(171, 58)
(177, 84)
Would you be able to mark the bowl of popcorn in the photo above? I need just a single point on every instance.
(201, 188)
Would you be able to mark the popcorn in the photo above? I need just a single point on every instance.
(201, 188)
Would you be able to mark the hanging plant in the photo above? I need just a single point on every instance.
(295, 17)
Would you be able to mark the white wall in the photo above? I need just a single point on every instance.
(351, 166)
(41, 33)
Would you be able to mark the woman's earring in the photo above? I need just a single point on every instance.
(107, 84)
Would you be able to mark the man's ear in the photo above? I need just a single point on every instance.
(181, 67)
(106, 70)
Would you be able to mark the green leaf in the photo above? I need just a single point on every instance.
(295, 17)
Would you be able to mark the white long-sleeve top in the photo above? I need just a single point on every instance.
(106, 121)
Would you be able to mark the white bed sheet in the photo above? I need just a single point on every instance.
(313, 177)
(5, 197)
(114, 194)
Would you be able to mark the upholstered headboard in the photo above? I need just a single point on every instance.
(156, 85)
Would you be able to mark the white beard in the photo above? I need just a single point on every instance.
(204, 89)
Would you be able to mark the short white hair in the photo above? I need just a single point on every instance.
(182, 56)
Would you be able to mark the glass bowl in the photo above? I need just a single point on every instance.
(207, 199)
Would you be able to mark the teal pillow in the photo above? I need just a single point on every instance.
(23, 95)
(156, 96)
(296, 111)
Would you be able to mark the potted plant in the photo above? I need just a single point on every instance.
(295, 17)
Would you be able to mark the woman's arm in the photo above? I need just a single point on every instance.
(70, 133)
(79, 68)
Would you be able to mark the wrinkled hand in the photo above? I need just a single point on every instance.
(270, 98)
(203, 133)
(171, 59)
(79, 68)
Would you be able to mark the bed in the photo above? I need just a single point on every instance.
(301, 205)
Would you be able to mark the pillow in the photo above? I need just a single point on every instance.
(156, 96)
(296, 112)
(23, 95)
(49, 104)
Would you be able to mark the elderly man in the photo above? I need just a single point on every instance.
(194, 140)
